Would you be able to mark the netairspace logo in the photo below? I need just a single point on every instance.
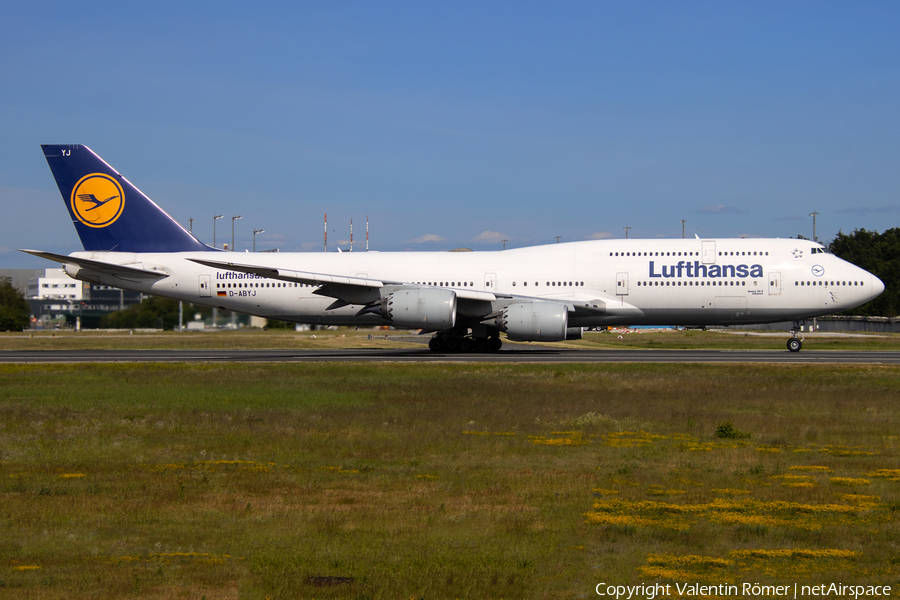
(651, 591)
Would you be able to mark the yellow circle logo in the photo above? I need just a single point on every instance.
(97, 200)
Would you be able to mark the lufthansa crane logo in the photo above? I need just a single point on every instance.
(97, 200)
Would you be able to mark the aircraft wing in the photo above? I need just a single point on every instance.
(120, 271)
(293, 276)
(351, 290)
(357, 290)
(584, 305)
(603, 306)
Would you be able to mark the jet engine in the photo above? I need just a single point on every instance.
(420, 308)
(534, 321)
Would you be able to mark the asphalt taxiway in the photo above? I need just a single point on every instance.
(523, 355)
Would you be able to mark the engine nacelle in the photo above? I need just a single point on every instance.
(420, 308)
(535, 321)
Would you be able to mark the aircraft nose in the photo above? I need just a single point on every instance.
(877, 286)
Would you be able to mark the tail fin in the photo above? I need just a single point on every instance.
(109, 213)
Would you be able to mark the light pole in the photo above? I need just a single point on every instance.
(214, 311)
(813, 215)
(504, 243)
(215, 218)
(682, 228)
(233, 219)
(191, 225)
(626, 231)
(557, 238)
(255, 231)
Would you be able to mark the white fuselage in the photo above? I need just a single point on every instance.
(690, 282)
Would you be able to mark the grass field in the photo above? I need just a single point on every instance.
(443, 481)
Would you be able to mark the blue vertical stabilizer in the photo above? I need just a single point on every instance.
(109, 213)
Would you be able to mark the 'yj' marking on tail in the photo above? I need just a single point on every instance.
(109, 212)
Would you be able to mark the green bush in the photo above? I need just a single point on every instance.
(727, 430)
(14, 309)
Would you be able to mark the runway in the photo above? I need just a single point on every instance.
(526, 355)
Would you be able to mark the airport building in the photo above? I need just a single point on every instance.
(19, 277)
(54, 284)
(57, 300)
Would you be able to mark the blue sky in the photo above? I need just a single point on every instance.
(458, 124)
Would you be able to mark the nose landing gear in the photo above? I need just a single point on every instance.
(795, 343)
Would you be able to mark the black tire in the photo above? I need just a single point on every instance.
(436, 344)
(794, 344)
(465, 345)
(481, 345)
(494, 344)
(452, 344)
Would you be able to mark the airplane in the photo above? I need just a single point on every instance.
(466, 299)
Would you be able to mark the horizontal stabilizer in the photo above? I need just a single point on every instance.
(120, 271)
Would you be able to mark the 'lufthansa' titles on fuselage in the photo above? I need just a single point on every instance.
(235, 275)
(696, 269)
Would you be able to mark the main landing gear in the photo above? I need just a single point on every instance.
(794, 344)
(453, 343)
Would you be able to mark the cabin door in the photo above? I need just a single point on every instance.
(774, 284)
(205, 286)
(621, 284)
(709, 252)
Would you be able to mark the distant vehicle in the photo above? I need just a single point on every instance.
(466, 299)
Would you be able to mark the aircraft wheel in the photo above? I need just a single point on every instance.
(481, 345)
(494, 344)
(452, 344)
(465, 345)
(436, 344)
(794, 344)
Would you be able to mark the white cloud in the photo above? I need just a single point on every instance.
(722, 209)
(489, 237)
(428, 237)
(601, 235)
(870, 210)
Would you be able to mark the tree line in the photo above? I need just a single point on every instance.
(878, 253)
